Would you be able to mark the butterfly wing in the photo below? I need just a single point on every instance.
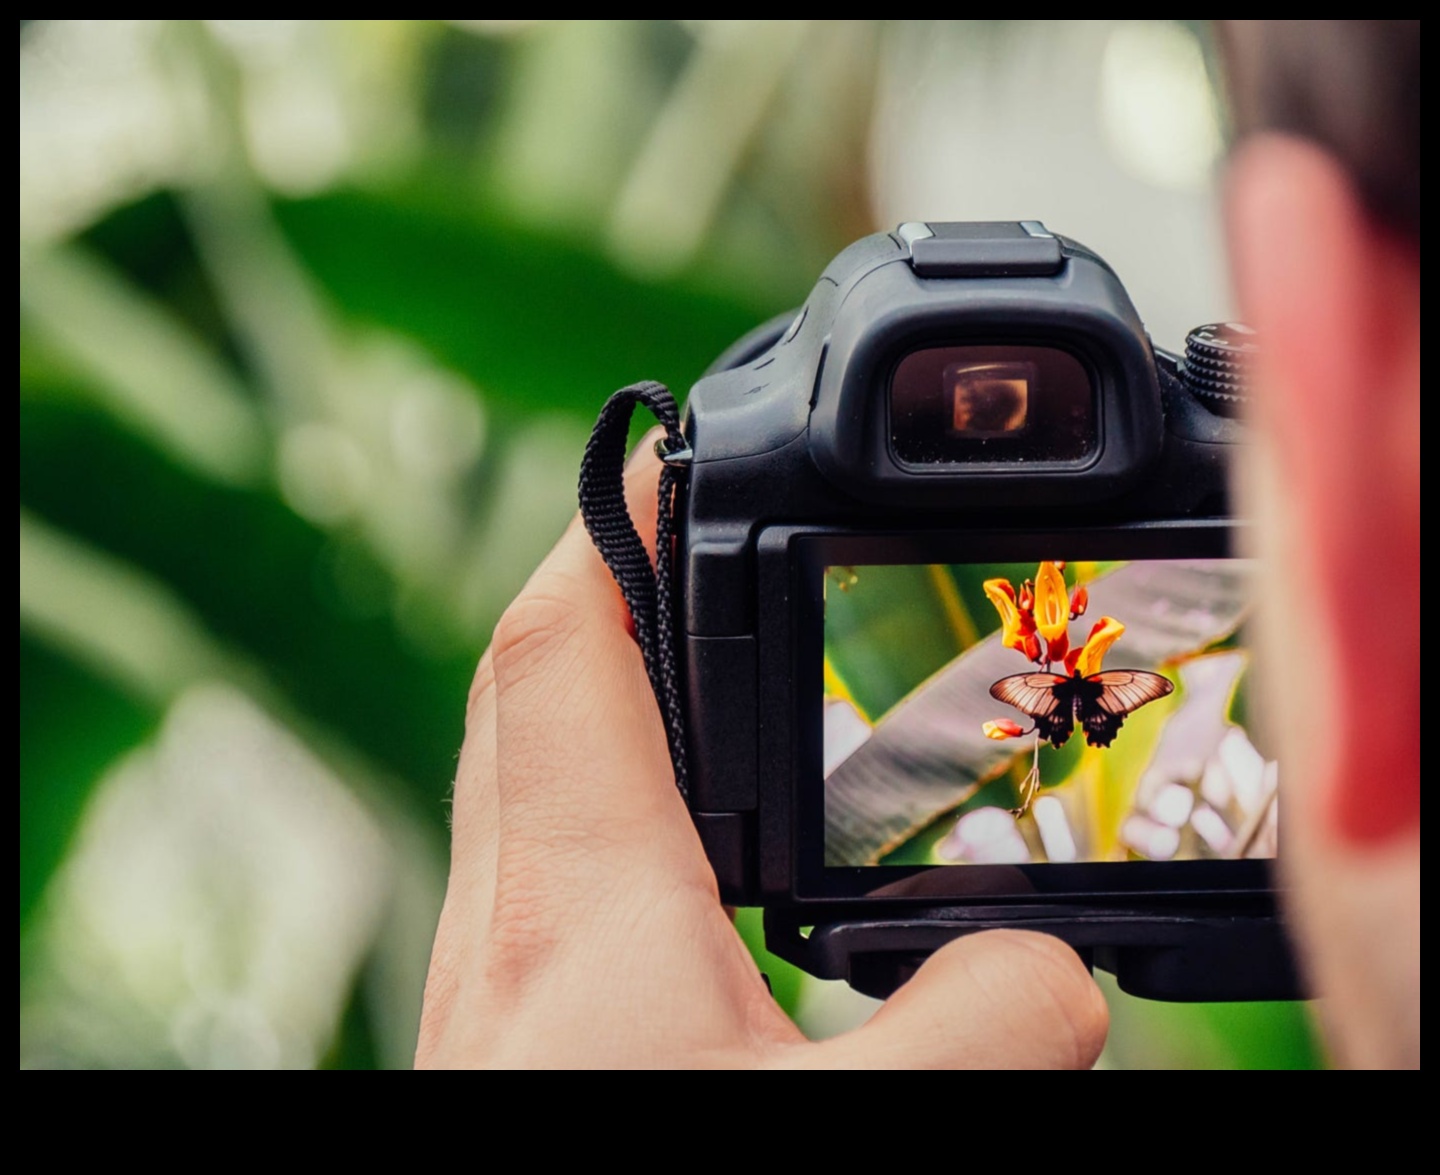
(1104, 699)
(1046, 697)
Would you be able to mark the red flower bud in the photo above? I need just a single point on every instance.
(1079, 601)
(1002, 728)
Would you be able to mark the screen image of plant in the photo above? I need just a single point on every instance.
(1042, 712)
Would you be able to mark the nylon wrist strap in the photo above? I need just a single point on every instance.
(648, 592)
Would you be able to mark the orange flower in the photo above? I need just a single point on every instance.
(1017, 622)
(1052, 613)
(1002, 728)
(1088, 658)
(1052, 606)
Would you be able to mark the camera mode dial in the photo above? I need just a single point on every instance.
(1218, 364)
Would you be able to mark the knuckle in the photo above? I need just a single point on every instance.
(522, 940)
(535, 935)
(531, 632)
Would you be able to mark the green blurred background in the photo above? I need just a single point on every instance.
(314, 319)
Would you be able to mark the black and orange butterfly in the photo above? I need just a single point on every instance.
(1099, 702)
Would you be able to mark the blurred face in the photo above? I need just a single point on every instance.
(1334, 487)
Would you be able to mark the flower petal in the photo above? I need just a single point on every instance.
(1052, 603)
(1059, 648)
(1002, 595)
(1031, 647)
(1106, 632)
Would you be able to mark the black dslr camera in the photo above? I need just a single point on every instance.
(961, 623)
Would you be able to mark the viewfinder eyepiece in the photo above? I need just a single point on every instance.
(989, 399)
(953, 405)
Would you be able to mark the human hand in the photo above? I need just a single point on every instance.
(582, 926)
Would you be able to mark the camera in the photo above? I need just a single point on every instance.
(961, 628)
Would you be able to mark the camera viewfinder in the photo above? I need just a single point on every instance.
(955, 405)
(989, 399)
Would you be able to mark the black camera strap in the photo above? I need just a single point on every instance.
(648, 592)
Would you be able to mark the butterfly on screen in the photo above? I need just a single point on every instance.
(1099, 702)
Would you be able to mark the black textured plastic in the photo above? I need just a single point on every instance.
(1217, 365)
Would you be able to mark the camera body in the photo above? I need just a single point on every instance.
(953, 399)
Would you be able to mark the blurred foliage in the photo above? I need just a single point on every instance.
(219, 280)
(314, 317)
(1149, 1035)
(58, 768)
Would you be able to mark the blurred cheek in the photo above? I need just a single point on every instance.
(1294, 662)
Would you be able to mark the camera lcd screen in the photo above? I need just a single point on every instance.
(1042, 713)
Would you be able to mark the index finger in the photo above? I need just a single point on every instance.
(582, 761)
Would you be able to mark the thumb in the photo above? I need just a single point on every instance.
(1004, 999)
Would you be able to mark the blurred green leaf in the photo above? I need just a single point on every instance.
(1149, 1034)
(260, 578)
(138, 358)
(149, 242)
(540, 323)
(785, 978)
(1265, 1035)
(887, 632)
(74, 724)
(354, 1046)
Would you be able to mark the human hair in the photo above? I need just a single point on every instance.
(1352, 86)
